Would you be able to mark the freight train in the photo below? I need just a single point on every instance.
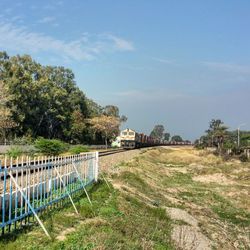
(130, 139)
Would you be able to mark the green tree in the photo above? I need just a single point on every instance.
(176, 138)
(111, 110)
(157, 132)
(45, 101)
(6, 121)
(78, 126)
(217, 133)
(44, 98)
(166, 136)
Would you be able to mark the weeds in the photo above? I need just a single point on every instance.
(135, 217)
(116, 221)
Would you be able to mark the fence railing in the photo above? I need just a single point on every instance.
(29, 186)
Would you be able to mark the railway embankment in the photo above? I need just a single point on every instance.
(157, 198)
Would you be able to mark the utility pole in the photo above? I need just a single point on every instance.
(239, 133)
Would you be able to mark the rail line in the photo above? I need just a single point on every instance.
(110, 152)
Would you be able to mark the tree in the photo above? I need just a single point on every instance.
(6, 121)
(45, 101)
(166, 136)
(78, 126)
(216, 133)
(176, 138)
(107, 125)
(111, 110)
(4, 97)
(157, 132)
(93, 108)
(44, 98)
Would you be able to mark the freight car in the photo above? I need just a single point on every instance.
(130, 139)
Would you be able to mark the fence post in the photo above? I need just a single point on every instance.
(96, 165)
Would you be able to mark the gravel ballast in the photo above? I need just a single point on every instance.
(107, 162)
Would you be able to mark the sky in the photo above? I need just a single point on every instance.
(176, 63)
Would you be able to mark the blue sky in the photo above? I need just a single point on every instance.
(177, 63)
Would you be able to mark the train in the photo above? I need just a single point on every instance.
(130, 139)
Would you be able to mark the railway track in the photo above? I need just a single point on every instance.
(110, 152)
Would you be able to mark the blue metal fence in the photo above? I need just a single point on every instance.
(28, 186)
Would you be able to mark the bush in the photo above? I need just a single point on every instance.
(78, 149)
(50, 147)
(243, 158)
(25, 140)
(14, 152)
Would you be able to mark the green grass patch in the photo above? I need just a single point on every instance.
(221, 206)
(228, 212)
(177, 179)
(114, 221)
(135, 181)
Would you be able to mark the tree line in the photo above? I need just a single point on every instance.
(220, 137)
(159, 133)
(44, 101)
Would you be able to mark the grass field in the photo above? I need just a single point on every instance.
(166, 198)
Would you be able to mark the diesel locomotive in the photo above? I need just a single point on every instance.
(130, 139)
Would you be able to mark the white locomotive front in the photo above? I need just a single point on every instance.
(129, 139)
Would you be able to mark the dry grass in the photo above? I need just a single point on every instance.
(213, 192)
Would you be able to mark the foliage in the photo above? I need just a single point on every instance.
(24, 140)
(226, 142)
(50, 147)
(78, 126)
(107, 125)
(78, 149)
(14, 152)
(111, 110)
(176, 138)
(157, 132)
(6, 121)
(243, 158)
(43, 100)
(216, 133)
(245, 138)
(166, 136)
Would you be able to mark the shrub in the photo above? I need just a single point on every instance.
(78, 149)
(25, 140)
(14, 152)
(243, 158)
(50, 147)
